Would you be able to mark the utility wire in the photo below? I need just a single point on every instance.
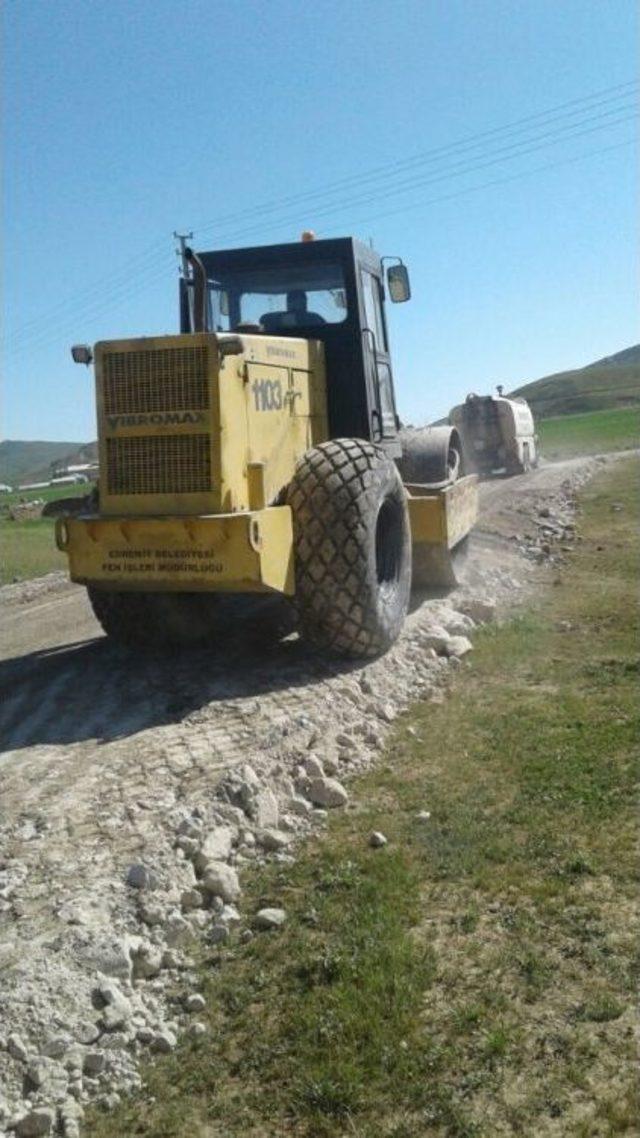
(622, 91)
(151, 257)
(97, 287)
(496, 182)
(120, 294)
(460, 170)
(148, 262)
(421, 204)
(73, 320)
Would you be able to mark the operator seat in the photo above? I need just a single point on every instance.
(295, 315)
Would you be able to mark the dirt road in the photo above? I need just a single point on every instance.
(106, 751)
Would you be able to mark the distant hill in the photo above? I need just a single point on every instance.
(627, 356)
(603, 385)
(31, 461)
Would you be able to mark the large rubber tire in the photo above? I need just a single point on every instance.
(352, 542)
(154, 620)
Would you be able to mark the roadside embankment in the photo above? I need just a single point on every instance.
(139, 795)
(467, 971)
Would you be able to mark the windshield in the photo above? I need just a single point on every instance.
(279, 298)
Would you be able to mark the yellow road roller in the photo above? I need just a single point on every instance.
(260, 452)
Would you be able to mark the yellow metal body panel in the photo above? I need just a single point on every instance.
(181, 424)
(443, 517)
(440, 520)
(243, 552)
(195, 443)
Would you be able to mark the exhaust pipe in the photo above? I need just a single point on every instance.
(200, 306)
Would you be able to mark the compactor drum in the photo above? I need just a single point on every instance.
(259, 453)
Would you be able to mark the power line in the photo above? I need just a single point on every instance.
(461, 170)
(407, 207)
(623, 90)
(151, 256)
(497, 182)
(100, 306)
(98, 299)
(140, 260)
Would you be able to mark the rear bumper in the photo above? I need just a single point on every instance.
(247, 552)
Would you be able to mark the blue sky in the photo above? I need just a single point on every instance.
(125, 121)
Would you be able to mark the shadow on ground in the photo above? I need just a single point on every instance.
(94, 689)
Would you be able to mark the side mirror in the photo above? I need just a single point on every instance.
(398, 281)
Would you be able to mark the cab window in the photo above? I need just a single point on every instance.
(373, 308)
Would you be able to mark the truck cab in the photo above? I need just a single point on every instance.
(332, 291)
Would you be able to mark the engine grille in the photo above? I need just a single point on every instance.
(165, 379)
(159, 464)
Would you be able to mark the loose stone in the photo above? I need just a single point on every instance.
(328, 792)
(94, 1062)
(216, 846)
(141, 877)
(164, 1041)
(71, 1114)
(195, 1003)
(197, 1030)
(229, 915)
(267, 919)
(265, 809)
(218, 933)
(56, 1047)
(147, 962)
(17, 1048)
(273, 840)
(436, 638)
(458, 646)
(222, 881)
(313, 767)
(191, 899)
(377, 839)
(36, 1123)
(176, 930)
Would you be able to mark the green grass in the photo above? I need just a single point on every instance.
(47, 494)
(599, 387)
(594, 432)
(27, 548)
(476, 976)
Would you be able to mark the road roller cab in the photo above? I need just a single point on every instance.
(332, 292)
(260, 451)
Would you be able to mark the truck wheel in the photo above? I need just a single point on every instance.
(154, 620)
(352, 544)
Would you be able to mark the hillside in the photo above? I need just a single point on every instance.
(604, 385)
(627, 356)
(30, 461)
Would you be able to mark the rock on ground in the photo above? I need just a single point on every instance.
(270, 919)
(328, 792)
